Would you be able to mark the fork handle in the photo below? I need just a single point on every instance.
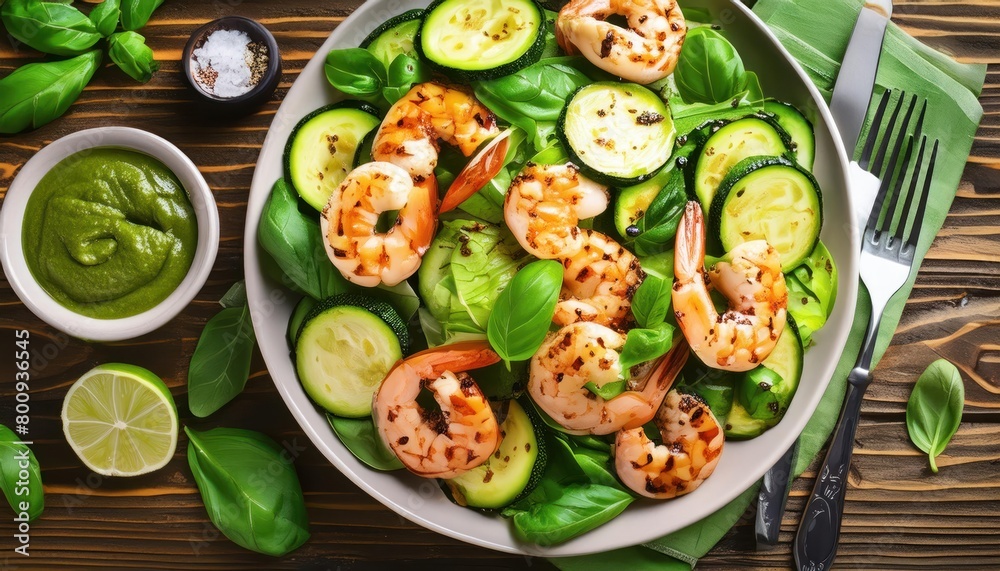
(818, 533)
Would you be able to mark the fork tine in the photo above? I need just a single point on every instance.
(897, 191)
(918, 219)
(866, 153)
(890, 169)
(889, 131)
(911, 194)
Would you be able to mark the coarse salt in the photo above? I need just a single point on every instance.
(228, 64)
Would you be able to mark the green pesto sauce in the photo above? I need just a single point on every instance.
(109, 233)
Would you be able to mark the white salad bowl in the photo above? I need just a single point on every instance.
(742, 463)
(64, 319)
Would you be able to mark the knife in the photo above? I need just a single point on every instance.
(852, 94)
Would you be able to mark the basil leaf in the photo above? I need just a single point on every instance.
(934, 410)
(37, 93)
(25, 495)
(578, 509)
(403, 72)
(643, 345)
(50, 27)
(754, 391)
(129, 52)
(295, 242)
(607, 391)
(658, 225)
(651, 301)
(523, 311)
(360, 436)
(805, 309)
(709, 69)
(818, 275)
(250, 489)
(135, 13)
(236, 296)
(105, 16)
(355, 71)
(220, 365)
(538, 91)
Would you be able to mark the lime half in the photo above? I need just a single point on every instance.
(120, 420)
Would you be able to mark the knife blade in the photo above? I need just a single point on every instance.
(852, 94)
(853, 90)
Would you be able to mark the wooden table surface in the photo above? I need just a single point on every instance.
(898, 514)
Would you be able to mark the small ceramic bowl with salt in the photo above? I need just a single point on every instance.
(232, 64)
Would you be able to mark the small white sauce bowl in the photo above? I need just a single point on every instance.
(49, 310)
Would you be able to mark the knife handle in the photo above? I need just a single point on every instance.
(819, 532)
(771, 499)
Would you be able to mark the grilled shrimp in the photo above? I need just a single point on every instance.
(740, 338)
(545, 203)
(367, 257)
(645, 52)
(692, 445)
(598, 282)
(588, 352)
(429, 112)
(445, 443)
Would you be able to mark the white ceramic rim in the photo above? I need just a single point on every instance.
(64, 319)
(412, 497)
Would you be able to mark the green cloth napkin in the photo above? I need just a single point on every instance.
(816, 33)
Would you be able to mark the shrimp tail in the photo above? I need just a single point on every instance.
(689, 244)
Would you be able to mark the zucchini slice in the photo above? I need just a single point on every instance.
(735, 141)
(799, 129)
(322, 147)
(507, 474)
(302, 309)
(346, 346)
(768, 395)
(394, 37)
(619, 133)
(773, 199)
(471, 40)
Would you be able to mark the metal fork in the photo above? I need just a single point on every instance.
(888, 247)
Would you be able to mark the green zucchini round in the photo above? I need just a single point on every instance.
(799, 129)
(470, 40)
(395, 36)
(773, 199)
(619, 134)
(322, 147)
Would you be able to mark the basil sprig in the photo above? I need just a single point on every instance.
(250, 489)
(37, 93)
(135, 13)
(130, 53)
(50, 27)
(106, 16)
(934, 411)
(523, 311)
(220, 365)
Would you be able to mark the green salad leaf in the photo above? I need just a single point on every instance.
(934, 410)
(295, 242)
(36, 93)
(360, 436)
(355, 71)
(812, 291)
(754, 391)
(651, 301)
(524, 310)
(643, 345)
(658, 225)
(403, 73)
(25, 495)
(129, 52)
(709, 69)
(250, 489)
(51, 27)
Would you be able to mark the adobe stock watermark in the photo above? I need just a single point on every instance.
(22, 483)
